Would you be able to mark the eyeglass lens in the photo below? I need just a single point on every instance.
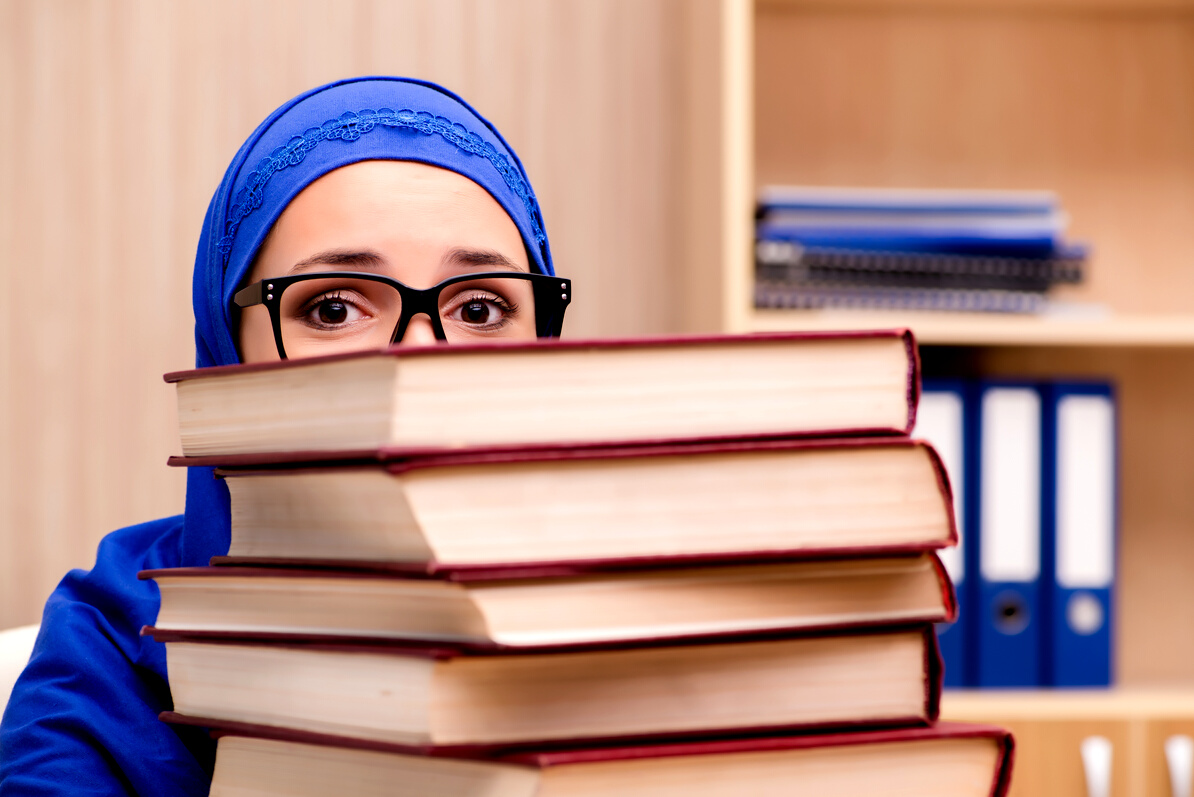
(340, 313)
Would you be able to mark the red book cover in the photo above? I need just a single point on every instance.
(549, 344)
(910, 381)
(571, 755)
(532, 577)
(440, 651)
(467, 576)
(399, 464)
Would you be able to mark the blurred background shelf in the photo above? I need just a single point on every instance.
(1050, 726)
(976, 329)
(1094, 100)
(1126, 703)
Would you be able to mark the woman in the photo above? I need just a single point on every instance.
(362, 212)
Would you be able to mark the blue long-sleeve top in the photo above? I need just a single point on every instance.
(82, 719)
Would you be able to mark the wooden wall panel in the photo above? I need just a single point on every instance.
(121, 116)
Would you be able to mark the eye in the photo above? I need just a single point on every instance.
(484, 309)
(332, 310)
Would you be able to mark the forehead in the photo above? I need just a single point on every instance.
(398, 205)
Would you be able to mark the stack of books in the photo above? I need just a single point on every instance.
(987, 251)
(696, 567)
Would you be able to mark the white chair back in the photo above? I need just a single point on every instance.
(15, 646)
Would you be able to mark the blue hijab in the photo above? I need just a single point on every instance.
(373, 118)
(83, 718)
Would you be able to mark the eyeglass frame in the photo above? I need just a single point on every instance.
(552, 293)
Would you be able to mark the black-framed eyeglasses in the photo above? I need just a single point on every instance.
(341, 310)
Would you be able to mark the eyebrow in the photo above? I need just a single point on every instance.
(364, 259)
(479, 257)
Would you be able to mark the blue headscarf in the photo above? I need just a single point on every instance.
(370, 118)
(83, 717)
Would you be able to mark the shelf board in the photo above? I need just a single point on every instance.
(980, 329)
(1137, 6)
(975, 705)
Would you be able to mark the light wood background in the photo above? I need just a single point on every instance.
(1098, 106)
(1094, 102)
(120, 116)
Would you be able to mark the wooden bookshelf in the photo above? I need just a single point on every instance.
(1170, 703)
(962, 329)
(1050, 726)
(1094, 100)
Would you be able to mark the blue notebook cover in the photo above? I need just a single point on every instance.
(909, 200)
(1079, 533)
(941, 419)
(977, 241)
(1007, 609)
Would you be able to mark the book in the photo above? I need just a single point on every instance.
(608, 507)
(585, 609)
(946, 760)
(1078, 535)
(547, 392)
(783, 263)
(457, 697)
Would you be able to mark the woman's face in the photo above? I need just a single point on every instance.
(414, 223)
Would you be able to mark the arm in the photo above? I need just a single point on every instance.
(82, 719)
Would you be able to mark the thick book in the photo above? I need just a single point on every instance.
(606, 507)
(584, 609)
(478, 697)
(549, 392)
(945, 760)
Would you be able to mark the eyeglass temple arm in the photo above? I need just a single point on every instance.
(248, 295)
(551, 300)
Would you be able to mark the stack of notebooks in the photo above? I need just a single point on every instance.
(986, 251)
(696, 567)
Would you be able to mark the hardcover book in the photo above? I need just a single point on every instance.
(609, 507)
(476, 697)
(945, 760)
(495, 609)
(548, 392)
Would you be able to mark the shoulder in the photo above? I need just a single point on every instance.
(85, 708)
(109, 597)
